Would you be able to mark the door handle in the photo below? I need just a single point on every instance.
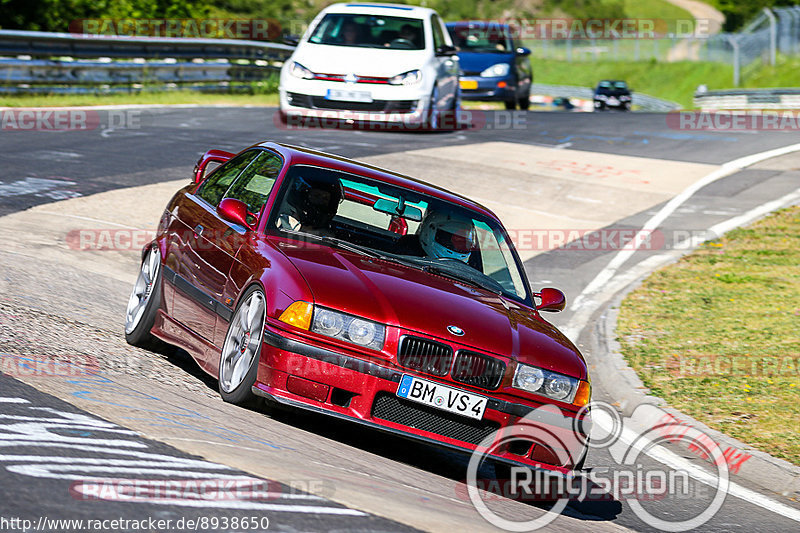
(198, 229)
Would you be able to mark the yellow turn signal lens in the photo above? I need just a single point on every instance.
(298, 315)
(583, 395)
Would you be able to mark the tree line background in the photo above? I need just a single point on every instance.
(56, 15)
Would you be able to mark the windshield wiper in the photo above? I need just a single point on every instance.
(441, 270)
(338, 243)
(465, 278)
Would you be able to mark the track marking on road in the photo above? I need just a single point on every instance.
(122, 454)
(676, 462)
(620, 280)
(609, 281)
(605, 275)
(88, 219)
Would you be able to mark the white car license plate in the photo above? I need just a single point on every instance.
(442, 397)
(613, 101)
(349, 96)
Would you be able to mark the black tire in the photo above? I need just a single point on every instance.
(230, 388)
(448, 119)
(433, 118)
(524, 103)
(139, 334)
(510, 105)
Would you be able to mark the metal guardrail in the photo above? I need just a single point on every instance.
(54, 60)
(642, 101)
(43, 71)
(47, 44)
(787, 98)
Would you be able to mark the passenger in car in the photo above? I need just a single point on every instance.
(351, 33)
(408, 33)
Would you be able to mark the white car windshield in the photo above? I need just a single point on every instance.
(370, 31)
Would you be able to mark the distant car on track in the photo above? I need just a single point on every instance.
(330, 285)
(372, 63)
(494, 67)
(612, 94)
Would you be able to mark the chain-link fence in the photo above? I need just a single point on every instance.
(772, 31)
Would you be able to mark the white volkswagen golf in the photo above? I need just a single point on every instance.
(389, 63)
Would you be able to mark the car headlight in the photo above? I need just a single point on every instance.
(496, 71)
(546, 383)
(406, 78)
(348, 328)
(299, 71)
(625, 98)
(601, 97)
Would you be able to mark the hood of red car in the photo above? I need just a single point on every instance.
(427, 303)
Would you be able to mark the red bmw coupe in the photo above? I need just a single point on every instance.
(326, 284)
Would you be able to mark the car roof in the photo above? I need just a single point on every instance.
(366, 8)
(300, 155)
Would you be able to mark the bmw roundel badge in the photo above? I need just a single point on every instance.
(455, 330)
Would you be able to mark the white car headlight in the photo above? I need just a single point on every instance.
(546, 383)
(601, 97)
(299, 71)
(406, 78)
(348, 328)
(496, 71)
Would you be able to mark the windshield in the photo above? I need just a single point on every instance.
(481, 39)
(613, 85)
(394, 224)
(370, 31)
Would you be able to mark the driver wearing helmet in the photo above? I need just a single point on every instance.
(447, 236)
(310, 205)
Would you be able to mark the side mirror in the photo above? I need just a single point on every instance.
(552, 300)
(445, 50)
(291, 40)
(522, 51)
(217, 156)
(233, 210)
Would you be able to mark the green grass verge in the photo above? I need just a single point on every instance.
(717, 334)
(655, 9)
(670, 81)
(149, 98)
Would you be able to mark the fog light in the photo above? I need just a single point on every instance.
(501, 85)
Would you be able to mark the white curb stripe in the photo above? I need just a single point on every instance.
(623, 255)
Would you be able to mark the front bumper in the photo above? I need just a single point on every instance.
(390, 103)
(487, 89)
(619, 104)
(296, 373)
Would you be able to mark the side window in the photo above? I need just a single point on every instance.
(213, 189)
(255, 183)
(438, 36)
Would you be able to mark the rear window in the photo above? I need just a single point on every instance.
(370, 31)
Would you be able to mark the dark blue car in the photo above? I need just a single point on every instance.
(493, 66)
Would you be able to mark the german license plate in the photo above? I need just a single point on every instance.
(613, 101)
(442, 397)
(349, 96)
(469, 84)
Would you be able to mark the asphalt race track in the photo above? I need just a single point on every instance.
(589, 172)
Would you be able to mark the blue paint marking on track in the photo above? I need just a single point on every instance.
(682, 136)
